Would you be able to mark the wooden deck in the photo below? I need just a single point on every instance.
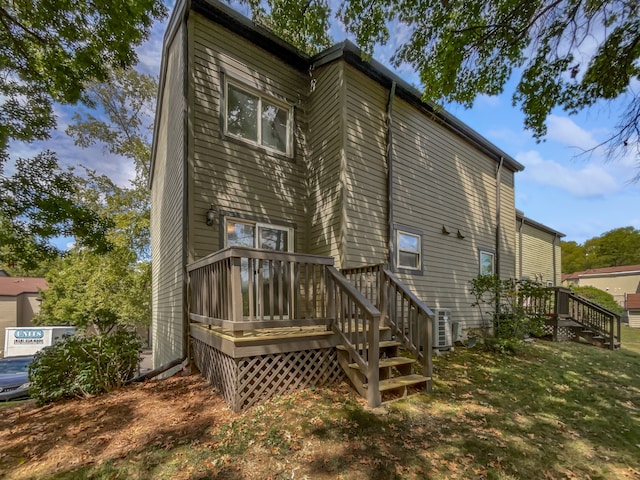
(265, 322)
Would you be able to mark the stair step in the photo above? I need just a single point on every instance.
(399, 382)
(389, 362)
(382, 344)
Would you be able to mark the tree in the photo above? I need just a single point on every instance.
(568, 54)
(128, 101)
(104, 290)
(49, 50)
(40, 202)
(617, 247)
(573, 257)
(113, 289)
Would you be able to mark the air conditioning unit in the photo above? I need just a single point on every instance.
(442, 329)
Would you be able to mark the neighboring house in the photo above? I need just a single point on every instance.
(331, 158)
(632, 308)
(19, 302)
(618, 281)
(538, 253)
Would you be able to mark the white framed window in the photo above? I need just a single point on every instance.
(244, 233)
(408, 250)
(487, 262)
(550, 283)
(258, 119)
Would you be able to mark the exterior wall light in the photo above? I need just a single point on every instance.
(211, 215)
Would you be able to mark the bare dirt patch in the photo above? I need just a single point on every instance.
(63, 436)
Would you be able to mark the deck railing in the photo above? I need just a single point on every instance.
(244, 289)
(357, 323)
(567, 304)
(410, 320)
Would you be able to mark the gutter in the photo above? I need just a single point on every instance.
(392, 94)
(498, 213)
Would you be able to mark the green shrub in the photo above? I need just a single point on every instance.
(516, 309)
(599, 297)
(84, 365)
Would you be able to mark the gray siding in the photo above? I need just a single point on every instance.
(326, 163)
(229, 174)
(441, 180)
(167, 201)
(366, 172)
(536, 261)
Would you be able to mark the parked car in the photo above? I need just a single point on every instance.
(14, 377)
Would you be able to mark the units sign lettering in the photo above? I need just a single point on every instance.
(28, 337)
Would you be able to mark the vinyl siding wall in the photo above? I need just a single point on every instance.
(441, 180)
(167, 201)
(634, 318)
(28, 306)
(227, 173)
(326, 162)
(536, 260)
(8, 316)
(366, 172)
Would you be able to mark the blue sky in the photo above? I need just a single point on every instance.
(580, 195)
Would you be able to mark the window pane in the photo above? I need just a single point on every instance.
(274, 126)
(242, 113)
(408, 242)
(486, 263)
(273, 239)
(408, 259)
(240, 235)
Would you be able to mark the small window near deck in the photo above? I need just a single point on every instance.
(257, 119)
(487, 263)
(409, 250)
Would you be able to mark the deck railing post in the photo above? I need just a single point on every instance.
(427, 342)
(374, 398)
(236, 289)
(383, 297)
(331, 301)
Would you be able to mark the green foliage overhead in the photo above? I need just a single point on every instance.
(40, 202)
(599, 297)
(566, 54)
(617, 247)
(79, 366)
(49, 50)
(126, 103)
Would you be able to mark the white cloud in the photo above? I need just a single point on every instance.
(590, 181)
(567, 132)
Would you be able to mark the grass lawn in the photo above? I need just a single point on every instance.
(557, 411)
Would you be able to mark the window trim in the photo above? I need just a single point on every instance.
(262, 96)
(257, 224)
(492, 253)
(412, 232)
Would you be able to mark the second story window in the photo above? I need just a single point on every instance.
(257, 119)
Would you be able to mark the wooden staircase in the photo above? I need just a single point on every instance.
(396, 379)
(586, 320)
(369, 303)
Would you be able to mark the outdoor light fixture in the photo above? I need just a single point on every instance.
(211, 215)
(460, 236)
(444, 230)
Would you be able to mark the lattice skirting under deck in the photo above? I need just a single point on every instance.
(565, 334)
(244, 382)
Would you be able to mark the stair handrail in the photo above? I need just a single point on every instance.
(613, 319)
(424, 354)
(377, 289)
(365, 351)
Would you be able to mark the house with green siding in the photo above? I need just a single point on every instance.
(311, 215)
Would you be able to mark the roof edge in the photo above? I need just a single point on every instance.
(377, 71)
(520, 215)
